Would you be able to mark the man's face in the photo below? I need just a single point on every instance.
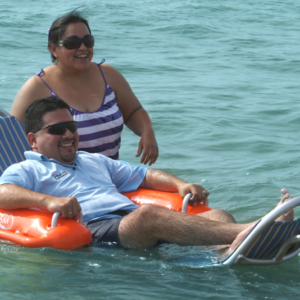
(60, 147)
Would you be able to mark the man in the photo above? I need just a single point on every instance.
(59, 178)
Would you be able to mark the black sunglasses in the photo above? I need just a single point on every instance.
(61, 128)
(75, 42)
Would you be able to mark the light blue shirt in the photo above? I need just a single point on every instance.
(95, 180)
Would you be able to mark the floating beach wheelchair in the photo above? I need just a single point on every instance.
(269, 242)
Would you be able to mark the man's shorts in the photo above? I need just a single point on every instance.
(105, 231)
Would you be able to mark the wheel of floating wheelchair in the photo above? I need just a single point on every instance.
(4, 113)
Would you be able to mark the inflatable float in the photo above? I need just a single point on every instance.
(35, 228)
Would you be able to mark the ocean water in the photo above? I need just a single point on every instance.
(220, 80)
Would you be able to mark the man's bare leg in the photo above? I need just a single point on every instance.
(144, 227)
(148, 224)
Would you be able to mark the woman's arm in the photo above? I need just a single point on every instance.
(135, 117)
(139, 122)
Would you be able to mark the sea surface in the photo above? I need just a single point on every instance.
(220, 80)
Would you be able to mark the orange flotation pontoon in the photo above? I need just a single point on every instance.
(34, 228)
(169, 200)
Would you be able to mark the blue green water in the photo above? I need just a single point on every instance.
(220, 80)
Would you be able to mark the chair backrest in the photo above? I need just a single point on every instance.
(13, 141)
(4, 113)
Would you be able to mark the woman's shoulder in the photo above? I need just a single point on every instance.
(105, 67)
(112, 76)
(35, 80)
(35, 84)
(49, 71)
(34, 88)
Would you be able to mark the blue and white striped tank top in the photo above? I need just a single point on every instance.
(99, 131)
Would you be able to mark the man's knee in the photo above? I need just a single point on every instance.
(224, 216)
(218, 215)
(148, 211)
(138, 229)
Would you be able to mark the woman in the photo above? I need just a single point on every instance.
(101, 100)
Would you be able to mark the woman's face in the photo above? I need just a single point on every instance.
(79, 58)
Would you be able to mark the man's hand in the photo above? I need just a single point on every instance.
(162, 181)
(67, 206)
(14, 197)
(199, 193)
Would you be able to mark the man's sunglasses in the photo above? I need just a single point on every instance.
(75, 42)
(61, 128)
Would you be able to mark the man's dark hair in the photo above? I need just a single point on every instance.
(59, 26)
(37, 109)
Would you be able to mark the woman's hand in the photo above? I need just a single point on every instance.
(148, 148)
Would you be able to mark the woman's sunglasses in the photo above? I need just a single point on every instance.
(75, 42)
(61, 128)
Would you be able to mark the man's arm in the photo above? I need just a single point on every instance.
(163, 181)
(13, 197)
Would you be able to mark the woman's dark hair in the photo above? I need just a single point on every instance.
(59, 26)
(37, 109)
